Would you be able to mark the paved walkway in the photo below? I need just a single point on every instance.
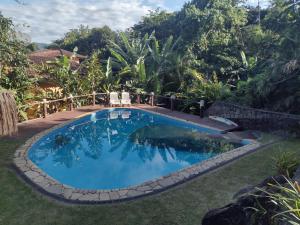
(29, 128)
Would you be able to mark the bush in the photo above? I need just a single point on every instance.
(286, 163)
(285, 199)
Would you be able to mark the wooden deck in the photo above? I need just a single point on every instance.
(29, 128)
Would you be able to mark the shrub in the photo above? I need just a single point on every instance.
(286, 163)
(286, 199)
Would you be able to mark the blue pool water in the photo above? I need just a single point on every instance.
(118, 148)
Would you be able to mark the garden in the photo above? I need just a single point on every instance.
(217, 58)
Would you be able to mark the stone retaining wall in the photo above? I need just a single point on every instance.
(251, 118)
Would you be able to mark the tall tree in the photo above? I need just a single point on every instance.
(94, 73)
(276, 86)
(88, 40)
(13, 61)
(212, 29)
(162, 22)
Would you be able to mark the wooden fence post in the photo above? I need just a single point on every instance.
(202, 103)
(172, 102)
(71, 102)
(138, 99)
(94, 98)
(152, 98)
(108, 99)
(44, 108)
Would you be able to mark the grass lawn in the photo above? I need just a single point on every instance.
(183, 205)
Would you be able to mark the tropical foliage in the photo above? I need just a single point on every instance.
(286, 163)
(283, 203)
(87, 40)
(14, 64)
(210, 49)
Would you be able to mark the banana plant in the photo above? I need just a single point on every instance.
(110, 82)
(144, 62)
(129, 57)
(164, 62)
(162, 56)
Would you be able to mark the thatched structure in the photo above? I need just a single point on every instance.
(8, 114)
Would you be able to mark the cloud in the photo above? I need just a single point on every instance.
(49, 20)
(263, 3)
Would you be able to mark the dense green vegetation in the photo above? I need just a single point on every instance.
(210, 49)
(223, 50)
(14, 64)
(87, 40)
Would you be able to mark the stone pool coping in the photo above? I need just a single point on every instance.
(48, 185)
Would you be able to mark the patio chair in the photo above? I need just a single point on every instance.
(114, 99)
(125, 100)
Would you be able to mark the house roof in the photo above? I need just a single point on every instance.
(45, 55)
(49, 55)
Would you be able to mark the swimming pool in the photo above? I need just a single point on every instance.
(121, 154)
(121, 148)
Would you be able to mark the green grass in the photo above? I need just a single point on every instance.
(184, 205)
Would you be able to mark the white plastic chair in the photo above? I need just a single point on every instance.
(125, 100)
(114, 99)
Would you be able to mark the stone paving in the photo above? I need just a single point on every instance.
(73, 195)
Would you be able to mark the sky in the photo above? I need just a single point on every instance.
(47, 20)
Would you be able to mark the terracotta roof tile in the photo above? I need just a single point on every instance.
(43, 56)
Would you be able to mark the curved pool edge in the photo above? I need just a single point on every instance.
(48, 185)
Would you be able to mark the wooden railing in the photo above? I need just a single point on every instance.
(175, 104)
(47, 107)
